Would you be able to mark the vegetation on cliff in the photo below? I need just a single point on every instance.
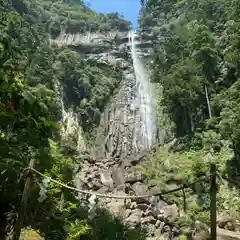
(195, 54)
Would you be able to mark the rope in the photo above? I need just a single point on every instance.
(116, 196)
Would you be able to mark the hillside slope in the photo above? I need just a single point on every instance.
(195, 57)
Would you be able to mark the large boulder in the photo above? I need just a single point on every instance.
(140, 189)
(133, 177)
(151, 229)
(157, 206)
(223, 221)
(170, 211)
(148, 219)
(143, 206)
(135, 217)
(118, 176)
(155, 190)
(106, 178)
(117, 206)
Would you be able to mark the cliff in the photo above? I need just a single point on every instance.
(126, 133)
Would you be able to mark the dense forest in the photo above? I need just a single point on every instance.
(195, 58)
(30, 111)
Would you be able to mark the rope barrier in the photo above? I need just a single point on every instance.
(116, 196)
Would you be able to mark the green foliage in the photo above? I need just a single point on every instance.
(196, 45)
(229, 101)
(87, 88)
(76, 229)
(69, 16)
(182, 237)
(169, 170)
(196, 54)
(30, 109)
(106, 227)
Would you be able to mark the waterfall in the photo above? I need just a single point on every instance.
(144, 101)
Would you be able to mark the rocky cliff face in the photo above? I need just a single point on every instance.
(127, 132)
(128, 123)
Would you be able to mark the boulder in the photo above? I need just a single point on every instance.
(133, 205)
(157, 206)
(157, 233)
(158, 223)
(135, 217)
(170, 211)
(154, 190)
(103, 190)
(122, 188)
(166, 228)
(148, 219)
(165, 236)
(127, 213)
(128, 203)
(118, 176)
(140, 189)
(230, 226)
(106, 179)
(133, 177)
(115, 208)
(96, 184)
(143, 206)
(151, 229)
(223, 220)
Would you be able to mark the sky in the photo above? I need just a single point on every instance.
(128, 8)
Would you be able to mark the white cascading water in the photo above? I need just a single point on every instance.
(145, 100)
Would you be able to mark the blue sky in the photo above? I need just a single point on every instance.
(128, 8)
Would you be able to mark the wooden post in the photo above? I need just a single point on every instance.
(23, 204)
(184, 201)
(213, 204)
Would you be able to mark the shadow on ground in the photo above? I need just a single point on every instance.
(72, 222)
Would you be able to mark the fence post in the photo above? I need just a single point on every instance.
(213, 204)
(184, 200)
(23, 204)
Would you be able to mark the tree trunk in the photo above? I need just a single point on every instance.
(187, 121)
(2, 225)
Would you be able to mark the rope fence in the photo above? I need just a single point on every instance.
(184, 186)
(93, 195)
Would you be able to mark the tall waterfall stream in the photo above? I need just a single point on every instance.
(144, 101)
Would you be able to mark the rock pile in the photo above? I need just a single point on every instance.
(108, 177)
